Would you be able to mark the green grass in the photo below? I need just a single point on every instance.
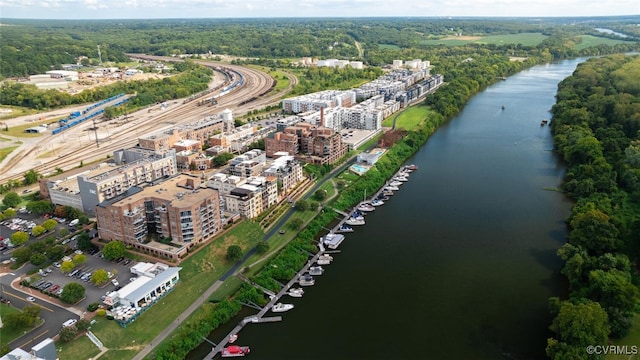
(7, 334)
(4, 152)
(4, 139)
(16, 112)
(526, 39)
(198, 273)
(81, 348)
(388, 47)
(409, 118)
(118, 354)
(590, 41)
(279, 75)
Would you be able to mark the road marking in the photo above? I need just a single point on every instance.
(27, 301)
(34, 338)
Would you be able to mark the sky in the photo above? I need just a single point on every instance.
(162, 9)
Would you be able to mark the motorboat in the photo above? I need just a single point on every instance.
(323, 262)
(326, 256)
(345, 229)
(333, 240)
(366, 207)
(395, 183)
(353, 221)
(387, 192)
(392, 188)
(382, 197)
(306, 280)
(316, 270)
(357, 216)
(233, 338)
(377, 202)
(411, 167)
(295, 292)
(235, 351)
(400, 178)
(280, 307)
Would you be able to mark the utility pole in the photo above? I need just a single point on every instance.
(95, 129)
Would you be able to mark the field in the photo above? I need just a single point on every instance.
(589, 41)
(409, 118)
(527, 39)
(388, 47)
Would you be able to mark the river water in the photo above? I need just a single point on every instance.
(460, 262)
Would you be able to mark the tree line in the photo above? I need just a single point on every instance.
(596, 129)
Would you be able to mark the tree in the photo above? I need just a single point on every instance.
(38, 259)
(222, 159)
(22, 254)
(38, 230)
(31, 177)
(593, 231)
(63, 232)
(72, 293)
(67, 266)
(99, 277)
(55, 253)
(50, 224)
(68, 333)
(320, 194)
(114, 250)
(79, 259)
(19, 238)
(262, 247)
(302, 205)
(296, 223)
(577, 326)
(40, 207)
(234, 253)
(84, 242)
(11, 200)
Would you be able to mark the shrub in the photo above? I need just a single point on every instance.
(101, 312)
(93, 307)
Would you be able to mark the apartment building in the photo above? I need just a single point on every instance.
(199, 130)
(253, 197)
(287, 170)
(178, 209)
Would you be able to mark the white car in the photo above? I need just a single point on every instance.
(115, 282)
(31, 298)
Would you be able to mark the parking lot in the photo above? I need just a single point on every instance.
(25, 221)
(53, 280)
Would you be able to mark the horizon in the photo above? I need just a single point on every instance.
(308, 9)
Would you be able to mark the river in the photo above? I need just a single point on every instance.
(460, 262)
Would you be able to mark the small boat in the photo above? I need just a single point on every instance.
(325, 257)
(365, 207)
(316, 270)
(295, 292)
(387, 192)
(503, 107)
(392, 188)
(333, 240)
(544, 122)
(306, 280)
(377, 202)
(400, 178)
(383, 197)
(280, 307)
(345, 229)
(233, 338)
(353, 221)
(395, 183)
(323, 262)
(235, 351)
(411, 167)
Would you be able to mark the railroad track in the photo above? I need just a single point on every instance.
(124, 135)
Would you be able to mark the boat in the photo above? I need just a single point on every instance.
(233, 338)
(544, 122)
(333, 240)
(377, 202)
(280, 307)
(306, 280)
(382, 197)
(400, 178)
(235, 351)
(325, 257)
(295, 292)
(316, 270)
(395, 183)
(323, 262)
(353, 221)
(345, 229)
(392, 188)
(365, 207)
(411, 167)
(387, 192)
(357, 215)
(503, 107)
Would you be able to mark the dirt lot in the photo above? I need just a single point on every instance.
(85, 82)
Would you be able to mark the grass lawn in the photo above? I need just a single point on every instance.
(411, 117)
(7, 334)
(633, 338)
(388, 46)
(527, 39)
(81, 348)
(118, 354)
(198, 273)
(590, 41)
(16, 112)
(4, 152)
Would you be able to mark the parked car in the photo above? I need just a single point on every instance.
(31, 298)
(115, 282)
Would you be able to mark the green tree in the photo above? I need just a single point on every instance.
(222, 159)
(38, 259)
(68, 333)
(62, 232)
(296, 223)
(302, 205)
(11, 200)
(234, 253)
(19, 238)
(114, 250)
(72, 293)
(22, 254)
(84, 242)
(320, 195)
(50, 224)
(40, 207)
(79, 259)
(38, 230)
(99, 277)
(67, 266)
(31, 177)
(577, 326)
(55, 252)
(593, 231)
(262, 247)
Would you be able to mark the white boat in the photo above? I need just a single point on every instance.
(295, 292)
(357, 216)
(306, 280)
(333, 240)
(366, 207)
(323, 262)
(233, 338)
(392, 188)
(316, 270)
(395, 183)
(353, 221)
(387, 192)
(377, 202)
(280, 307)
(326, 257)
(344, 229)
(400, 178)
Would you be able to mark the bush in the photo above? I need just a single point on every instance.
(68, 333)
(93, 307)
(109, 317)
(101, 312)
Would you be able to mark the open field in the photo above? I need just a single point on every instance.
(8, 334)
(4, 152)
(527, 39)
(409, 118)
(80, 348)
(389, 46)
(590, 41)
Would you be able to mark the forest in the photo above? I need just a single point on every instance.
(596, 129)
(30, 47)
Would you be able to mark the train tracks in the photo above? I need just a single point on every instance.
(70, 148)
